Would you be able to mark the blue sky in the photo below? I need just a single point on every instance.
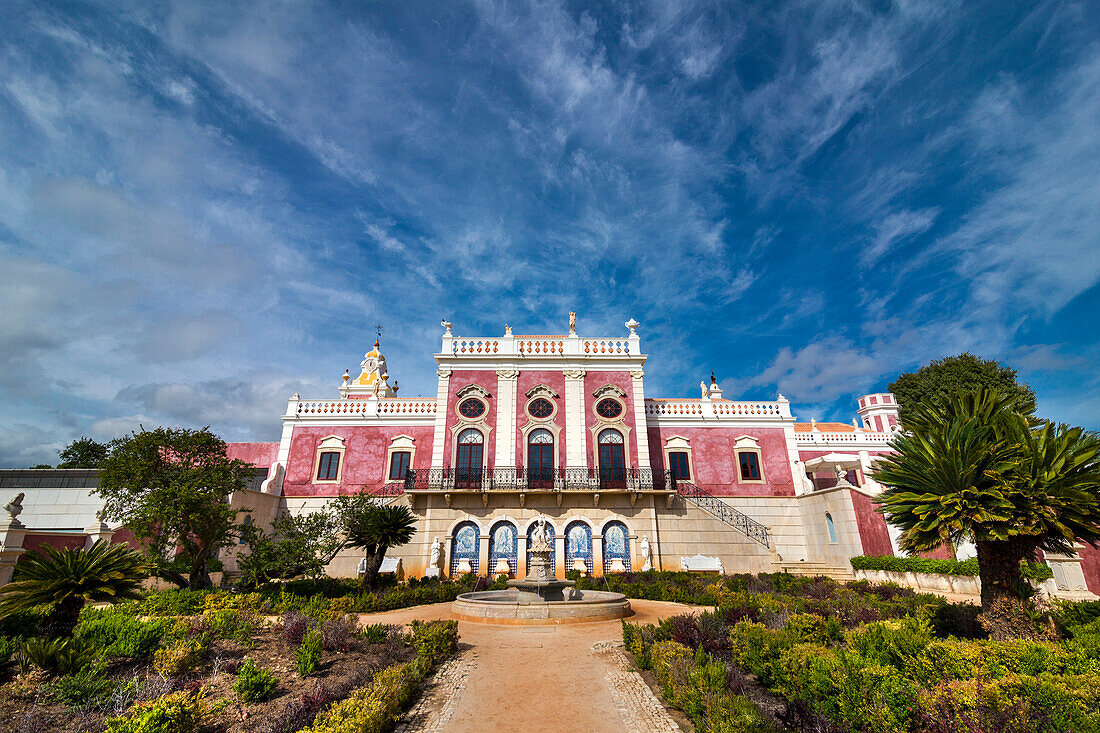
(207, 207)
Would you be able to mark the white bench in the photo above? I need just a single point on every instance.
(701, 564)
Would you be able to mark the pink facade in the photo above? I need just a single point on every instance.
(365, 463)
(59, 541)
(872, 526)
(260, 455)
(715, 463)
(592, 382)
(1090, 566)
(487, 380)
(528, 379)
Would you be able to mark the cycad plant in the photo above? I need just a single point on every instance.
(377, 529)
(68, 579)
(975, 466)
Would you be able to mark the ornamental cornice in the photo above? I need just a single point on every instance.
(473, 389)
(443, 373)
(574, 373)
(541, 390)
(507, 373)
(609, 390)
(637, 374)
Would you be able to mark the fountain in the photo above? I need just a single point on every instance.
(540, 598)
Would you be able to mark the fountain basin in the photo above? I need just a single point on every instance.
(514, 607)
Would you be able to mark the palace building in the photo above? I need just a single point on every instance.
(560, 427)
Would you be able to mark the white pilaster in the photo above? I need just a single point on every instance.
(575, 444)
(507, 380)
(439, 437)
(640, 418)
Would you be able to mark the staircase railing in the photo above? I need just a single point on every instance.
(724, 512)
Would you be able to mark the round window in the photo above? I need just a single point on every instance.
(471, 408)
(541, 408)
(609, 408)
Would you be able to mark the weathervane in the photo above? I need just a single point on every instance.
(378, 330)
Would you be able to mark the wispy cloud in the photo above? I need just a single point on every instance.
(205, 207)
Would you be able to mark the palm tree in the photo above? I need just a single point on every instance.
(375, 530)
(67, 579)
(974, 466)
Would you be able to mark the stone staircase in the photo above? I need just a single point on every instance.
(815, 568)
(724, 513)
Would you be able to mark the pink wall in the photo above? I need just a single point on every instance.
(556, 382)
(872, 526)
(365, 454)
(622, 380)
(714, 459)
(60, 541)
(1090, 566)
(258, 454)
(487, 380)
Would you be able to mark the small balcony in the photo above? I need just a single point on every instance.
(558, 481)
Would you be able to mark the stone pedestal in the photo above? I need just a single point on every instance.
(12, 533)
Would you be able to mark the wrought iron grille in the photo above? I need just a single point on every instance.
(541, 479)
(724, 512)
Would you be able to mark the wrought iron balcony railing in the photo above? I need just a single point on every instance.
(548, 480)
(724, 512)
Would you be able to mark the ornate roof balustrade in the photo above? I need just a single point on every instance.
(820, 438)
(720, 408)
(361, 408)
(522, 480)
(563, 346)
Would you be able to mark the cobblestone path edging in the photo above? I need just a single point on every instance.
(432, 712)
(639, 708)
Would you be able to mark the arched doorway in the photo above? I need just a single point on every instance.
(612, 459)
(578, 546)
(553, 545)
(502, 547)
(468, 458)
(616, 546)
(540, 458)
(464, 544)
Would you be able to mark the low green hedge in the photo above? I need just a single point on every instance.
(374, 708)
(1033, 570)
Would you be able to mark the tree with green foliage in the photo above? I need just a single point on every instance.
(83, 453)
(171, 488)
(375, 529)
(68, 579)
(977, 466)
(953, 375)
(295, 545)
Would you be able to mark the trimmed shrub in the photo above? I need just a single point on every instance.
(174, 602)
(893, 642)
(180, 658)
(254, 683)
(893, 563)
(372, 709)
(434, 640)
(121, 635)
(87, 686)
(308, 655)
(58, 656)
(179, 712)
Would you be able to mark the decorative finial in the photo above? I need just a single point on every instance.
(347, 375)
(572, 323)
(378, 330)
(712, 379)
(395, 387)
(15, 506)
(813, 423)
(507, 330)
(632, 325)
(446, 326)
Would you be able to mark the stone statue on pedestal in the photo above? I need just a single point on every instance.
(647, 562)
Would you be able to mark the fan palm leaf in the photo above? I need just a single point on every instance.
(67, 579)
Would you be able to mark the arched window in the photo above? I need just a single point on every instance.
(578, 547)
(616, 546)
(502, 549)
(468, 458)
(612, 459)
(831, 526)
(464, 549)
(540, 458)
(553, 545)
